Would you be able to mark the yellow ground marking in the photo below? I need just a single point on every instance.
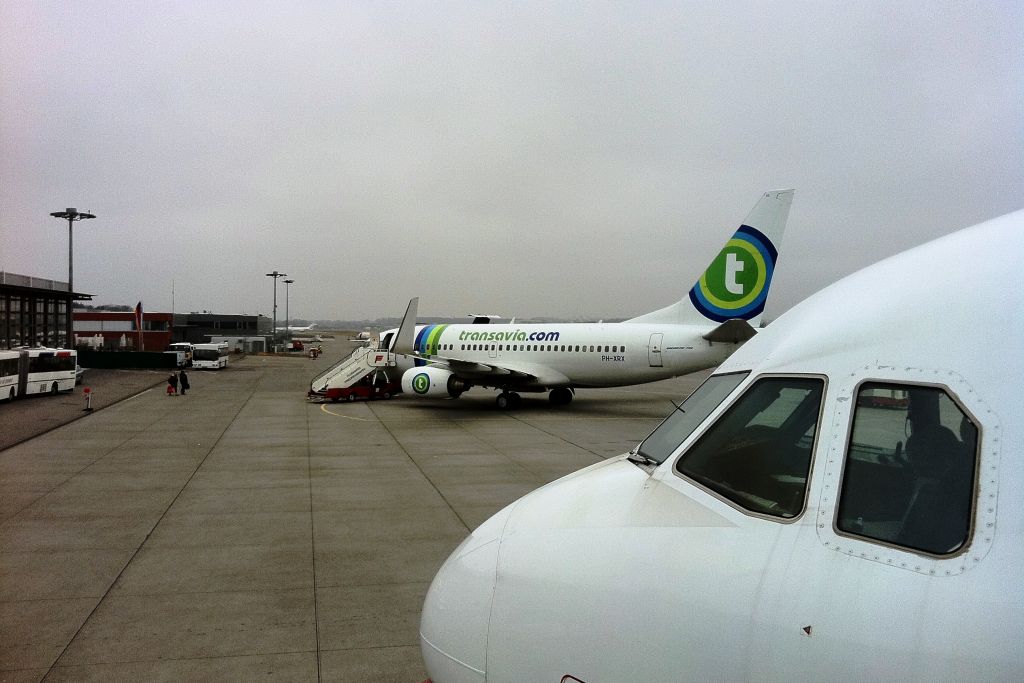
(323, 407)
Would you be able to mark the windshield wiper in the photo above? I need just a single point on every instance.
(638, 458)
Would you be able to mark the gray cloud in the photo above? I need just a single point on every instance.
(529, 159)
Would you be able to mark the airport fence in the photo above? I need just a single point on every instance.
(135, 360)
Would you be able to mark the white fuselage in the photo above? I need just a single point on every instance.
(574, 354)
(893, 552)
(724, 304)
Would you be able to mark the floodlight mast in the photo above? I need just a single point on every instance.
(287, 317)
(275, 275)
(71, 215)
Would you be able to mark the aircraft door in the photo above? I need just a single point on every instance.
(654, 350)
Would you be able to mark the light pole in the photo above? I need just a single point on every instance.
(287, 318)
(275, 275)
(71, 215)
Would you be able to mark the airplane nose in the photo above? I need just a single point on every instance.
(456, 612)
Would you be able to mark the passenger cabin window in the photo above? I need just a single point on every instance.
(758, 453)
(909, 475)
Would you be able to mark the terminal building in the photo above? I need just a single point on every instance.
(34, 311)
(118, 330)
(242, 333)
(198, 328)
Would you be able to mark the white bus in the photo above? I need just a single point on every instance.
(210, 356)
(8, 375)
(36, 371)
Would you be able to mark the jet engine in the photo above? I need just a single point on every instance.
(433, 382)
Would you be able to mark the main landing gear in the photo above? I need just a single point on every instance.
(507, 400)
(510, 400)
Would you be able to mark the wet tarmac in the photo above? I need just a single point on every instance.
(242, 532)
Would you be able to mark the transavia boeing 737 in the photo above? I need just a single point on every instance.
(718, 314)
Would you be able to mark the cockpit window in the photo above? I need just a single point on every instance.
(664, 440)
(758, 453)
(908, 479)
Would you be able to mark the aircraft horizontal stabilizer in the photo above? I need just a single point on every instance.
(731, 332)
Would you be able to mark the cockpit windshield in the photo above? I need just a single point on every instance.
(758, 453)
(664, 440)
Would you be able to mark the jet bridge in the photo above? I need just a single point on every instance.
(362, 374)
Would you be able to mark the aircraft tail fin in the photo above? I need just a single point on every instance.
(735, 284)
(406, 337)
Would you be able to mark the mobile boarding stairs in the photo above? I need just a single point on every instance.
(363, 374)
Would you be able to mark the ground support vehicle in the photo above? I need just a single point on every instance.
(363, 374)
(182, 352)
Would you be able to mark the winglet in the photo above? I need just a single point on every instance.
(406, 337)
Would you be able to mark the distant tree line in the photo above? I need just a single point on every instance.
(103, 307)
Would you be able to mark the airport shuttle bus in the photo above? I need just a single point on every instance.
(36, 371)
(210, 356)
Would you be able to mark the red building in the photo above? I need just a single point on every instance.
(118, 330)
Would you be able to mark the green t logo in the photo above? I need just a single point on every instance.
(733, 266)
(421, 383)
(735, 276)
(735, 285)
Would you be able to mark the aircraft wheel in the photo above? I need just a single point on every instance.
(53, 389)
(350, 398)
(11, 397)
(502, 401)
(386, 395)
(515, 400)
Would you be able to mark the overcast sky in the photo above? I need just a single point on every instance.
(556, 159)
